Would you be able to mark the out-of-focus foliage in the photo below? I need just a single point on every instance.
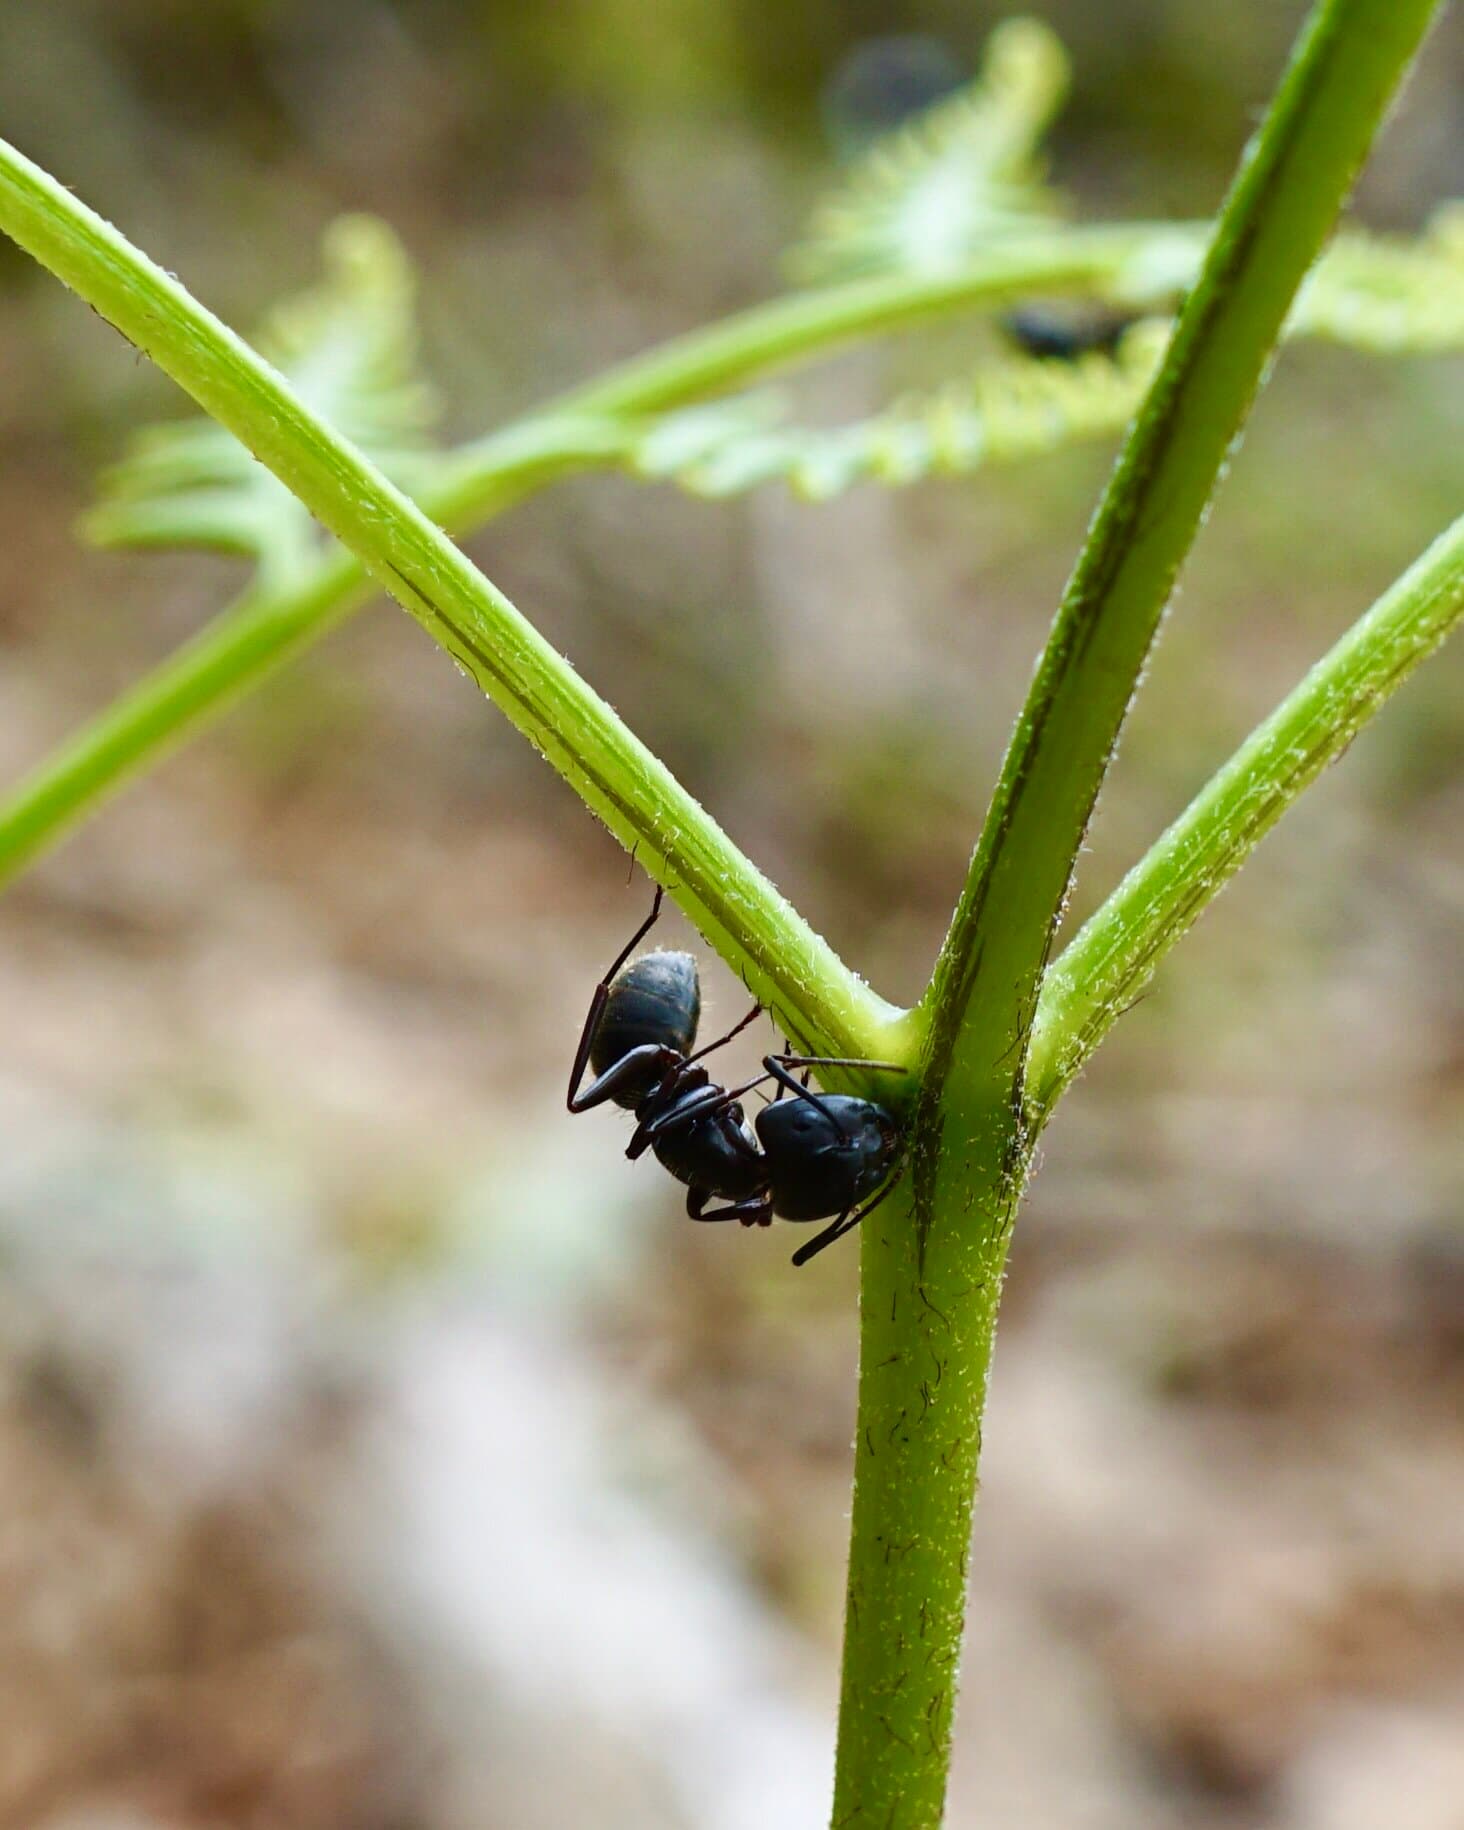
(1382, 295)
(349, 346)
(923, 197)
(1009, 409)
(1388, 295)
(961, 172)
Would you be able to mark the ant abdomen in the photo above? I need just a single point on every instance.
(656, 1000)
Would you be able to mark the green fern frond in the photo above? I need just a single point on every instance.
(1388, 295)
(1009, 410)
(349, 346)
(964, 171)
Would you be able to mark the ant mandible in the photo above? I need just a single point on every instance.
(814, 1156)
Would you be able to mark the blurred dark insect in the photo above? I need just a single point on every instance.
(882, 83)
(1064, 331)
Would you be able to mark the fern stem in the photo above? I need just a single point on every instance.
(786, 964)
(1115, 953)
(930, 1288)
(581, 430)
(240, 648)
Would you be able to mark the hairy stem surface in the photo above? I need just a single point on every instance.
(930, 1289)
(789, 967)
(1113, 956)
(579, 431)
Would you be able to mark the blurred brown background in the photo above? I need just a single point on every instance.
(378, 1448)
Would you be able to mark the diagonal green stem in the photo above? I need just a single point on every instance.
(788, 966)
(580, 430)
(1113, 956)
(930, 1288)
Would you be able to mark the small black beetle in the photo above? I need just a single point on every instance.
(815, 1156)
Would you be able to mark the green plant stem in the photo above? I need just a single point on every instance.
(786, 330)
(930, 1289)
(257, 634)
(1113, 956)
(787, 965)
(582, 429)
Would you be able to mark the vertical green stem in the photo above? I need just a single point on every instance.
(931, 1286)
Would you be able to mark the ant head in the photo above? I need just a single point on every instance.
(826, 1155)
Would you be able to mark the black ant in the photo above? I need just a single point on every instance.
(1063, 333)
(818, 1154)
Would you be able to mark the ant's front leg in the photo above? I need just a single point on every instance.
(846, 1222)
(803, 1079)
(756, 1210)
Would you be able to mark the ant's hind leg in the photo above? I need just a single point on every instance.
(641, 932)
(601, 998)
(756, 1210)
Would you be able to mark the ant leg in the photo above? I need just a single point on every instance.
(649, 1129)
(717, 1099)
(848, 1061)
(803, 1078)
(652, 1060)
(756, 1210)
(774, 1066)
(826, 1237)
(687, 1113)
(598, 1002)
(736, 1030)
(844, 1224)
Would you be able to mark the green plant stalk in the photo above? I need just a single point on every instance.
(583, 429)
(264, 628)
(1113, 956)
(789, 967)
(930, 1288)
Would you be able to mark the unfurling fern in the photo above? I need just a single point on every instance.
(923, 199)
(1008, 410)
(963, 171)
(1387, 295)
